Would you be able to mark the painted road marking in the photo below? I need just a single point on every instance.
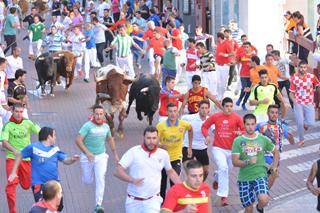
(294, 128)
(289, 193)
(300, 151)
(307, 137)
(301, 167)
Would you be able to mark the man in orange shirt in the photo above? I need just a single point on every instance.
(224, 55)
(273, 71)
(157, 46)
(254, 71)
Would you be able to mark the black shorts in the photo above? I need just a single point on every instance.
(156, 56)
(200, 155)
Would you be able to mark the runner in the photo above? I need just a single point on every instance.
(78, 46)
(248, 153)
(263, 95)
(228, 125)
(202, 37)
(245, 60)
(15, 137)
(193, 195)
(36, 29)
(94, 159)
(191, 57)
(171, 132)
(223, 60)
(10, 30)
(314, 174)
(14, 62)
(156, 46)
(44, 156)
(17, 92)
(53, 41)
(207, 67)
(123, 42)
(273, 71)
(169, 66)
(168, 95)
(195, 95)
(145, 163)
(302, 93)
(199, 147)
(255, 67)
(275, 130)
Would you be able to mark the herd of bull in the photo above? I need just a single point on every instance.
(111, 87)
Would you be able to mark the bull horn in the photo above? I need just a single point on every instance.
(146, 89)
(41, 58)
(61, 54)
(103, 95)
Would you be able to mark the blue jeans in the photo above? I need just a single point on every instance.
(245, 82)
(136, 56)
(167, 72)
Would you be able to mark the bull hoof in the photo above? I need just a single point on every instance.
(140, 117)
(52, 95)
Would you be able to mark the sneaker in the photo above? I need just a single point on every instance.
(305, 126)
(86, 80)
(215, 185)
(238, 102)
(98, 209)
(139, 66)
(244, 108)
(301, 143)
(224, 201)
(228, 88)
(236, 92)
(259, 210)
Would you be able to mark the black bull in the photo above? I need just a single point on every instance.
(51, 66)
(146, 91)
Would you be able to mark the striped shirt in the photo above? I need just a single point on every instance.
(124, 44)
(206, 60)
(54, 42)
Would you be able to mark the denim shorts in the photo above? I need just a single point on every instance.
(249, 190)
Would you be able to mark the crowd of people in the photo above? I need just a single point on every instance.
(177, 147)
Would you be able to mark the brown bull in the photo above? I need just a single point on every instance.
(111, 91)
(65, 66)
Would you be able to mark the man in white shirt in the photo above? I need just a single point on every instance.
(14, 62)
(144, 164)
(199, 146)
(100, 9)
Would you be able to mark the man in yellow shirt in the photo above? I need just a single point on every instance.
(171, 133)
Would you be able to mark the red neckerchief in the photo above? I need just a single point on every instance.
(46, 205)
(91, 118)
(150, 152)
(12, 119)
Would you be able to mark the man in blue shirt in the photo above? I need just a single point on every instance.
(44, 156)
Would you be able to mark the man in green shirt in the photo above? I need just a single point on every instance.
(94, 159)
(15, 137)
(169, 66)
(35, 33)
(263, 95)
(10, 29)
(248, 152)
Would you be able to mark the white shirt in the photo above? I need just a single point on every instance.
(283, 66)
(3, 100)
(101, 8)
(12, 65)
(142, 164)
(78, 45)
(99, 36)
(66, 22)
(198, 140)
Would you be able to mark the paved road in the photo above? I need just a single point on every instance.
(67, 111)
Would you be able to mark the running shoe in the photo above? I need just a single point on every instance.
(215, 181)
(224, 201)
(238, 102)
(86, 80)
(259, 210)
(301, 143)
(98, 209)
(244, 108)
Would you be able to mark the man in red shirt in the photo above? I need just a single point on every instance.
(168, 95)
(244, 39)
(192, 56)
(156, 52)
(193, 195)
(224, 55)
(235, 47)
(244, 59)
(228, 125)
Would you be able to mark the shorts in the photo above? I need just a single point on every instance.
(250, 190)
(156, 56)
(200, 155)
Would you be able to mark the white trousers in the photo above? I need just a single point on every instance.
(222, 76)
(179, 61)
(126, 63)
(152, 205)
(151, 61)
(189, 75)
(98, 169)
(35, 45)
(210, 81)
(78, 65)
(90, 56)
(223, 160)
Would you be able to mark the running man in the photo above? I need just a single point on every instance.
(263, 95)
(171, 133)
(314, 174)
(15, 137)
(302, 93)
(193, 195)
(199, 147)
(275, 129)
(94, 159)
(228, 125)
(44, 156)
(196, 94)
(248, 152)
(144, 163)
